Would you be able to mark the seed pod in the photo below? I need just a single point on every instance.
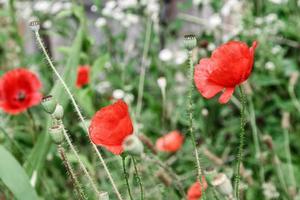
(49, 104)
(34, 25)
(59, 112)
(222, 183)
(132, 145)
(56, 133)
(190, 42)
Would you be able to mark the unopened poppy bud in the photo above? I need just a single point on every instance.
(56, 133)
(222, 183)
(210, 173)
(58, 112)
(190, 42)
(49, 104)
(34, 25)
(132, 145)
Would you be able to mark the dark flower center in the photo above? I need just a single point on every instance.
(21, 96)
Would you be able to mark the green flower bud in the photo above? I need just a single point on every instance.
(49, 104)
(132, 145)
(56, 133)
(190, 42)
(59, 112)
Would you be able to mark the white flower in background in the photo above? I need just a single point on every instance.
(270, 66)
(100, 22)
(228, 7)
(128, 98)
(271, 18)
(118, 94)
(180, 57)
(130, 19)
(278, 1)
(162, 83)
(276, 49)
(270, 191)
(109, 7)
(94, 8)
(214, 21)
(47, 24)
(259, 21)
(42, 6)
(103, 87)
(211, 47)
(165, 55)
(124, 4)
(118, 14)
(152, 8)
(204, 112)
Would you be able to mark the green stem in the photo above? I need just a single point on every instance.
(126, 176)
(191, 119)
(71, 173)
(289, 158)
(138, 178)
(239, 156)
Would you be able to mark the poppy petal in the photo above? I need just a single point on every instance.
(224, 98)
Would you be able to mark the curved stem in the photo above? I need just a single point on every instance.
(78, 113)
(138, 178)
(126, 176)
(71, 172)
(239, 156)
(82, 166)
(191, 120)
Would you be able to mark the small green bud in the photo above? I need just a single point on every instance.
(49, 104)
(190, 42)
(58, 112)
(56, 133)
(132, 145)
(210, 173)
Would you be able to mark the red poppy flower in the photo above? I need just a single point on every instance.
(170, 142)
(195, 191)
(228, 66)
(19, 90)
(83, 76)
(110, 126)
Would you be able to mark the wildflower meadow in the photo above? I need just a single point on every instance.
(149, 99)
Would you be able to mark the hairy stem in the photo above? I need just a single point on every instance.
(78, 113)
(191, 120)
(138, 178)
(239, 156)
(126, 177)
(70, 171)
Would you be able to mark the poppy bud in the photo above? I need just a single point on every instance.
(222, 183)
(210, 173)
(58, 112)
(56, 133)
(132, 145)
(49, 104)
(190, 42)
(34, 25)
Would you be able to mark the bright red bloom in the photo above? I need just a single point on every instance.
(229, 65)
(83, 76)
(170, 142)
(19, 90)
(195, 192)
(110, 126)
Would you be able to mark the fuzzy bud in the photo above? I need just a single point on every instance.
(49, 104)
(56, 133)
(58, 112)
(34, 25)
(132, 145)
(190, 42)
(222, 183)
(210, 173)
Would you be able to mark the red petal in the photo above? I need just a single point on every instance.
(224, 98)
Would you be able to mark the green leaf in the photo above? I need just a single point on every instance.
(14, 177)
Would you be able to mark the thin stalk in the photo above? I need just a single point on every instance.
(82, 166)
(126, 177)
(289, 158)
(239, 156)
(78, 113)
(293, 96)
(138, 178)
(143, 68)
(191, 120)
(256, 139)
(71, 172)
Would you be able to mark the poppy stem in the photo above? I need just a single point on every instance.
(138, 178)
(70, 171)
(239, 156)
(191, 120)
(37, 35)
(82, 166)
(126, 176)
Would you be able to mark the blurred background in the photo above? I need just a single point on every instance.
(136, 53)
